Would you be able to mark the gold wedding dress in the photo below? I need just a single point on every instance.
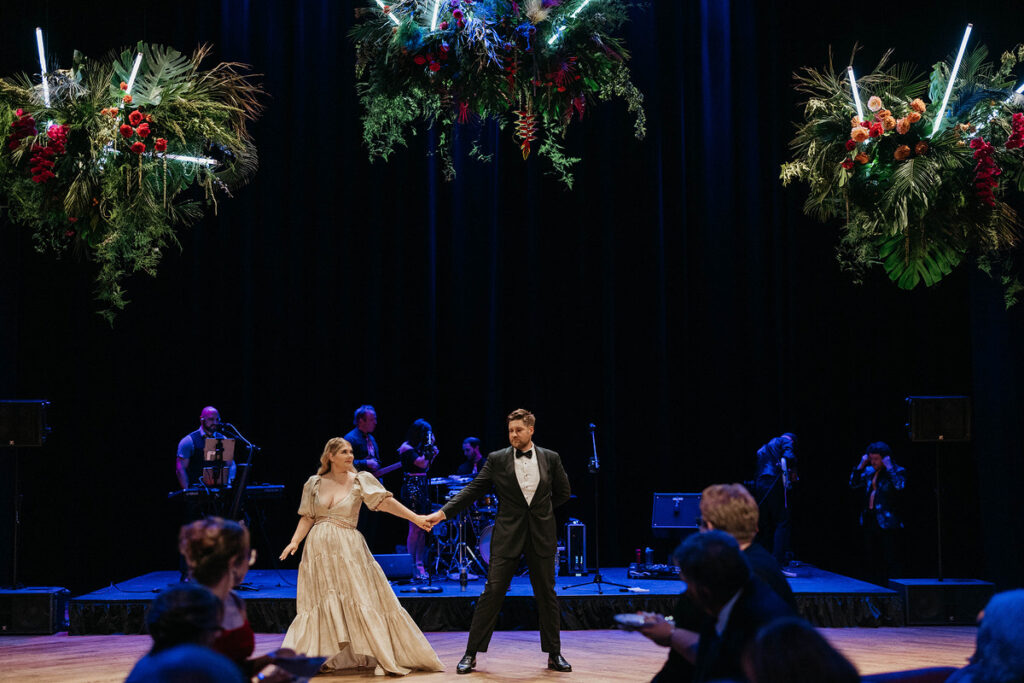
(345, 608)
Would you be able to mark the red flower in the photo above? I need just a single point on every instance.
(160, 145)
(875, 130)
(985, 171)
(135, 118)
(127, 99)
(848, 164)
(1016, 139)
(444, 25)
(850, 144)
(126, 130)
(420, 59)
(138, 147)
(143, 130)
(123, 86)
(434, 66)
(72, 219)
(69, 233)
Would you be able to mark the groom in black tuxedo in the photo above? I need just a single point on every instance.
(530, 483)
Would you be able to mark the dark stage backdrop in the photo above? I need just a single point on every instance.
(678, 299)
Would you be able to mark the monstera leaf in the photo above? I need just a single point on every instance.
(163, 71)
(916, 257)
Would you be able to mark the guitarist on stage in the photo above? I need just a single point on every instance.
(364, 446)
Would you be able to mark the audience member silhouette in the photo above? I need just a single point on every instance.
(999, 656)
(789, 649)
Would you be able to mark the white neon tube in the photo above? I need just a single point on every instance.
(135, 72)
(856, 93)
(194, 160)
(433, 18)
(952, 78)
(1020, 89)
(42, 67)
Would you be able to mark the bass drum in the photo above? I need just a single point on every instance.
(483, 545)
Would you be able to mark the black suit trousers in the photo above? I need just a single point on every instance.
(499, 576)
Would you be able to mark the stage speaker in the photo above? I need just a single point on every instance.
(674, 512)
(939, 418)
(23, 423)
(929, 602)
(33, 610)
(575, 548)
(396, 567)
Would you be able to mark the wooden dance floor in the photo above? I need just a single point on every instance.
(606, 655)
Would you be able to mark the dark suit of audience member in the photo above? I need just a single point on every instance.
(880, 482)
(734, 604)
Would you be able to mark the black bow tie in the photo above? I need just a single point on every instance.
(524, 454)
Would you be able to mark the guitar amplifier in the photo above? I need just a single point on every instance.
(674, 512)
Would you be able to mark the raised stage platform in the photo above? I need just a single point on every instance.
(823, 598)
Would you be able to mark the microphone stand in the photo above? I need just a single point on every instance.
(240, 483)
(594, 466)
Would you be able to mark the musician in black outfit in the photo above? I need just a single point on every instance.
(364, 446)
(530, 482)
(880, 482)
(776, 473)
(417, 453)
(474, 458)
(189, 464)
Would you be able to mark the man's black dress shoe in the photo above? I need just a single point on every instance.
(467, 663)
(558, 663)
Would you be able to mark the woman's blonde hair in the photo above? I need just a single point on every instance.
(332, 447)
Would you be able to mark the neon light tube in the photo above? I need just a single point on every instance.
(433, 18)
(952, 78)
(135, 72)
(856, 93)
(42, 67)
(194, 160)
(390, 14)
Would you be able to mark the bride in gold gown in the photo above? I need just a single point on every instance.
(345, 608)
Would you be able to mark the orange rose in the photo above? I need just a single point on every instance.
(127, 99)
(874, 103)
(888, 123)
(855, 121)
(882, 113)
(862, 158)
(921, 148)
(913, 117)
(918, 105)
(902, 152)
(859, 134)
(902, 126)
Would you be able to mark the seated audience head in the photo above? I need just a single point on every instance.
(789, 650)
(713, 567)
(729, 508)
(335, 447)
(1000, 653)
(186, 613)
(215, 548)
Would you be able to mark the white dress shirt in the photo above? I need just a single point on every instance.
(527, 473)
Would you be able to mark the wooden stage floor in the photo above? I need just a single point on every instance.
(606, 655)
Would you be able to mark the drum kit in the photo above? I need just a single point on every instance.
(463, 543)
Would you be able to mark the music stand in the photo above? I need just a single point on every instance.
(218, 454)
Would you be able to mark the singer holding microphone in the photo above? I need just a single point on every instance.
(530, 482)
(189, 466)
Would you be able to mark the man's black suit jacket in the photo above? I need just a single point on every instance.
(719, 657)
(517, 521)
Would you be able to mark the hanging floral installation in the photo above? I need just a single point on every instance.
(918, 184)
(108, 158)
(536, 65)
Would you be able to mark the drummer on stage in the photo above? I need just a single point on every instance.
(474, 458)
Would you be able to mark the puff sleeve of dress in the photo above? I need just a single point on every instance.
(374, 492)
(306, 505)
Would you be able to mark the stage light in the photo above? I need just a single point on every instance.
(390, 14)
(42, 67)
(856, 93)
(433, 17)
(952, 78)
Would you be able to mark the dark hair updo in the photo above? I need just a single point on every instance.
(210, 546)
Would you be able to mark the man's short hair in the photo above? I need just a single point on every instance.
(183, 613)
(713, 561)
(730, 508)
(881, 448)
(361, 411)
(521, 414)
(472, 441)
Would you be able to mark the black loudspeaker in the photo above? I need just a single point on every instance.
(33, 610)
(939, 418)
(576, 548)
(674, 512)
(396, 567)
(929, 602)
(23, 423)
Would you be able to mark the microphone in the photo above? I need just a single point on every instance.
(594, 465)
